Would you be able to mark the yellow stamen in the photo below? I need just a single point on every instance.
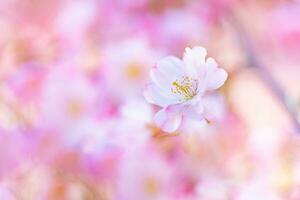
(186, 87)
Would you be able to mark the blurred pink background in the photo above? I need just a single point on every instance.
(74, 124)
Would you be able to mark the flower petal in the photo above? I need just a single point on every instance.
(171, 67)
(155, 95)
(216, 79)
(195, 112)
(211, 64)
(161, 79)
(214, 108)
(193, 59)
(168, 119)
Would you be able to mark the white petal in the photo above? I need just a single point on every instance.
(155, 95)
(195, 56)
(171, 67)
(161, 79)
(168, 121)
(211, 64)
(216, 79)
(194, 59)
(214, 108)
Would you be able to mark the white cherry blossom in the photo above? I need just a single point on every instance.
(184, 88)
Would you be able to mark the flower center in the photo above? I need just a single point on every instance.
(134, 71)
(186, 87)
(151, 186)
(74, 108)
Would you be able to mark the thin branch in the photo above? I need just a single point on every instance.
(254, 62)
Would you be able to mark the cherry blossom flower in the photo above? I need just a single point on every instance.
(74, 97)
(128, 63)
(172, 37)
(183, 88)
(139, 181)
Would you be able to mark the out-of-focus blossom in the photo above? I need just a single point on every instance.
(213, 189)
(151, 181)
(183, 88)
(73, 23)
(135, 117)
(168, 35)
(259, 191)
(26, 83)
(126, 65)
(66, 100)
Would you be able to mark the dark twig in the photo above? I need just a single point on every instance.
(254, 62)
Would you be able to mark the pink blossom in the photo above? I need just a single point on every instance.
(183, 88)
(67, 96)
(144, 181)
(126, 66)
(26, 83)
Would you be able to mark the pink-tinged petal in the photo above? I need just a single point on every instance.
(214, 108)
(195, 112)
(154, 95)
(175, 108)
(194, 59)
(168, 119)
(171, 67)
(216, 79)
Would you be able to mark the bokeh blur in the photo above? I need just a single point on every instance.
(74, 124)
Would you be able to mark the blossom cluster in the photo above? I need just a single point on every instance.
(147, 100)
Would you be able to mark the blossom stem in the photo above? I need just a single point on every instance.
(253, 61)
